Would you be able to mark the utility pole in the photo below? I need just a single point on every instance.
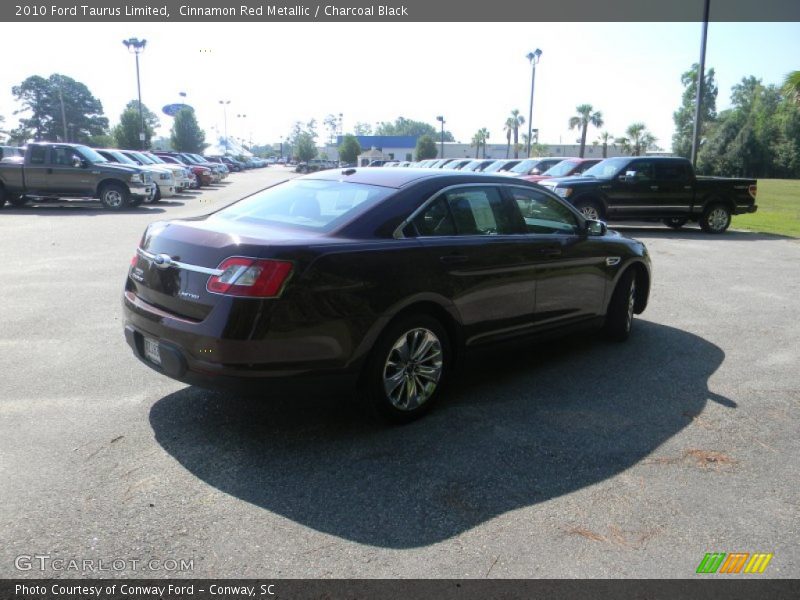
(700, 81)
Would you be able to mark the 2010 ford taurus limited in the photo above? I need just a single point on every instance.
(377, 278)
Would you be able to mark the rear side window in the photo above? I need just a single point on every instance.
(38, 155)
(307, 204)
(468, 211)
(672, 171)
(435, 219)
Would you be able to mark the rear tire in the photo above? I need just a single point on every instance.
(406, 369)
(716, 218)
(619, 317)
(591, 209)
(675, 222)
(114, 196)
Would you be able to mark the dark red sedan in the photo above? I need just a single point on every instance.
(566, 168)
(378, 278)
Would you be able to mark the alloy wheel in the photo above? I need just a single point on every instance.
(413, 369)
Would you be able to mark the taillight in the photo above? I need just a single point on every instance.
(250, 277)
(752, 190)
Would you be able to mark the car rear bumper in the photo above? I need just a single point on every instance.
(748, 208)
(177, 364)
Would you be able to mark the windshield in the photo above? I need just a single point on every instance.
(606, 169)
(156, 159)
(90, 155)
(121, 158)
(525, 166)
(142, 158)
(495, 166)
(561, 169)
(306, 203)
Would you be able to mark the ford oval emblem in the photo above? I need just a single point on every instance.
(162, 261)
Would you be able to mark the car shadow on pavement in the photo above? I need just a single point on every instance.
(519, 426)
(694, 233)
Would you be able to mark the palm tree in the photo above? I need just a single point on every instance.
(637, 139)
(604, 138)
(484, 134)
(583, 119)
(509, 128)
(791, 85)
(517, 120)
(476, 141)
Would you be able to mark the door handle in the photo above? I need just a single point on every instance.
(451, 259)
(550, 252)
(654, 187)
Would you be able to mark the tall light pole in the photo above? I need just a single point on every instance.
(281, 147)
(440, 118)
(242, 117)
(533, 57)
(700, 81)
(225, 118)
(137, 47)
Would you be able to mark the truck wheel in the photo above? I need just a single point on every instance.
(675, 222)
(590, 209)
(114, 196)
(406, 369)
(156, 197)
(716, 218)
(619, 317)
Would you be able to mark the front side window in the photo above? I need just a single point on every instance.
(543, 214)
(63, 156)
(642, 171)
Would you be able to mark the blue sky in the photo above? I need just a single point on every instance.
(473, 73)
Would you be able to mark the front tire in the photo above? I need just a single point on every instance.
(406, 370)
(114, 196)
(619, 317)
(591, 209)
(716, 218)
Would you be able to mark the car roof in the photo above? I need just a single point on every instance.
(397, 178)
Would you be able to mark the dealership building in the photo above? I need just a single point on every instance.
(402, 147)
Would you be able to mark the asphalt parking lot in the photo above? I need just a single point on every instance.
(575, 459)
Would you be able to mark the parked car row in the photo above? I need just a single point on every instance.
(118, 178)
(532, 169)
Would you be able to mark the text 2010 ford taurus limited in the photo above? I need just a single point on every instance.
(380, 278)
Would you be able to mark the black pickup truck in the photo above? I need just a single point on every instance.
(51, 170)
(656, 188)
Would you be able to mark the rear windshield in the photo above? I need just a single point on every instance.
(311, 204)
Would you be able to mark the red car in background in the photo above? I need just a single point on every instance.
(566, 168)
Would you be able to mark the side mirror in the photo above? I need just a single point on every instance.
(596, 228)
(78, 163)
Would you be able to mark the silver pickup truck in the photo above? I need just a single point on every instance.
(53, 170)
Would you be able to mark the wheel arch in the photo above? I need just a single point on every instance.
(643, 282)
(592, 196)
(109, 181)
(429, 304)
